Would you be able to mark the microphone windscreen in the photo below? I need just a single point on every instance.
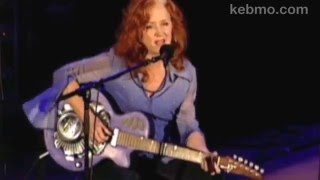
(167, 51)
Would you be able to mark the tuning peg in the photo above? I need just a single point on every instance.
(234, 156)
(245, 161)
(251, 164)
(256, 167)
(240, 159)
(261, 171)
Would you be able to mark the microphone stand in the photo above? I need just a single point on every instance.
(3, 151)
(84, 92)
(2, 161)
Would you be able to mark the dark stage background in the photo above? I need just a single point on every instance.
(257, 73)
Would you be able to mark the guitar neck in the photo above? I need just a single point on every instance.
(163, 149)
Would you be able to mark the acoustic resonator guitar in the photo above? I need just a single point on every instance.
(65, 143)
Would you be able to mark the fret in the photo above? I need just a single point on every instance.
(164, 149)
(155, 146)
(183, 153)
(138, 143)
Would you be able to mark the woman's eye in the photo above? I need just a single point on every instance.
(165, 24)
(148, 27)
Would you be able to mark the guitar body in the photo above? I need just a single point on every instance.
(71, 158)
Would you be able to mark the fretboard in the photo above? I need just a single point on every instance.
(163, 149)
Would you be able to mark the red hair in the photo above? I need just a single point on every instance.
(134, 21)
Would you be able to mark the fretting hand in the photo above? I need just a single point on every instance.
(209, 164)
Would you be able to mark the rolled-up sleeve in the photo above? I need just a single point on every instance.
(41, 110)
(186, 117)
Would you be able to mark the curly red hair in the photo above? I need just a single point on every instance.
(134, 21)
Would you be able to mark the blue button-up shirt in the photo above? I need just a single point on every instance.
(174, 103)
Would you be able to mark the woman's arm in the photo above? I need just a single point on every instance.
(41, 110)
(188, 125)
(196, 140)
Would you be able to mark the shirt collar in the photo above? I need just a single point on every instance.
(174, 73)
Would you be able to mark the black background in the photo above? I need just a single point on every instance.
(255, 72)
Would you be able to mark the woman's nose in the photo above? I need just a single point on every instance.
(159, 32)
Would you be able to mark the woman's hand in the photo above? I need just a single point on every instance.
(196, 141)
(209, 164)
(98, 131)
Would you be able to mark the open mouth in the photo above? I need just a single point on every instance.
(160, 42)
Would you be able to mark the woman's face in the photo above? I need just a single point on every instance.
(158, 30)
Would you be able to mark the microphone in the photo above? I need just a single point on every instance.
(166, 53)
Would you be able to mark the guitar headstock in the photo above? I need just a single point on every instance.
(240, 166)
